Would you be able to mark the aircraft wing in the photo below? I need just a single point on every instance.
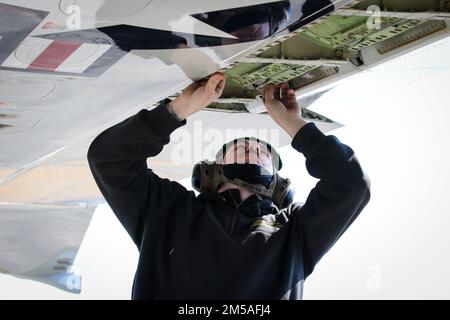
(70, 69)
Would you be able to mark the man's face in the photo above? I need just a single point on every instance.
(250, 152)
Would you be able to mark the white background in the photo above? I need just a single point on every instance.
(397, 121)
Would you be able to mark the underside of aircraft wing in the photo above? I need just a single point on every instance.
(70, 69)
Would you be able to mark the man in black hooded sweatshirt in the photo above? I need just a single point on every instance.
(229, 243)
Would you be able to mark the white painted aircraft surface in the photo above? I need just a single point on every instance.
(72, 68)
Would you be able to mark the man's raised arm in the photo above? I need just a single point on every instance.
(118, 158)
(343, 190)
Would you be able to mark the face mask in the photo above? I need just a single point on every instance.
(250, 173)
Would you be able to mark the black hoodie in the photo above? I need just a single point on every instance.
(212, 246)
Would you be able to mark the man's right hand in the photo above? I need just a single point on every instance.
(198, 95)
(281, 104)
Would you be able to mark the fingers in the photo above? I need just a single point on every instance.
(289, 98)
(275, 97)
(220, 86)
(286, 95)
(283, 90)
(268, 93)
(277, 92)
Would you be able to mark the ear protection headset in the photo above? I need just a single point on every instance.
(207, 176)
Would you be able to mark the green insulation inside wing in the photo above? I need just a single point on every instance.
(257, 75)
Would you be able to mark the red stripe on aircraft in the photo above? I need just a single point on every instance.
(55, 54)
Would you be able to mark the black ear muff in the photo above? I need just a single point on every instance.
(206, 176)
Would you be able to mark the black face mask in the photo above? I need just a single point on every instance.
(250, 173)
